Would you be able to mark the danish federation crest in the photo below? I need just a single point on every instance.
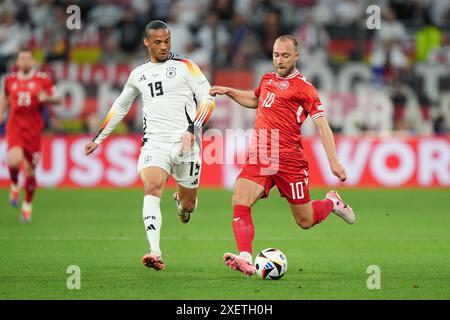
(171, 72)
(283, 85)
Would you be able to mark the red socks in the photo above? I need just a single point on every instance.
(321, 209)
(30, 183)
(243, 228)
(30, 187)
(14, 175)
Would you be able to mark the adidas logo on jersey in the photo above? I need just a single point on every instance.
(142, 78)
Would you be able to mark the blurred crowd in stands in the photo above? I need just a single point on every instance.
(238, 33)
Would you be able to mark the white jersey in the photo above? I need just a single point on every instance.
(169, 92)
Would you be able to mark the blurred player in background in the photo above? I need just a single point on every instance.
(283, 100)
(172, 124)
(25, 92)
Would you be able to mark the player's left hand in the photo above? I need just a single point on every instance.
(338, 170)
(218, 90)
(187, 141)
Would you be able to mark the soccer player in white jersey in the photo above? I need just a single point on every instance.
(171, 88)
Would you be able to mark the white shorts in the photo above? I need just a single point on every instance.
(184, 168)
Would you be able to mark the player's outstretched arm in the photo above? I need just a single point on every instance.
(326, 135)
(52, 99)
(200, 87)
(246, 99)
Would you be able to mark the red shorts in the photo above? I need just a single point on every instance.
(31, 145)
(293, 187)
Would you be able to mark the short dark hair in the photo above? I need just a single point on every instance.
(289, 37)
(155, 25)
(24, 49)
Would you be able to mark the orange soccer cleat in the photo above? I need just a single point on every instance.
(26, 212)
(153, 261)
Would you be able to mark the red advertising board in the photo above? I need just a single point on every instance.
(369, 162)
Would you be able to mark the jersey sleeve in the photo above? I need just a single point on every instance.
(46, 82)
(48, 86)
(119, 109)
(257, 91)
(312, 104)
(4, 85)
(200, 87)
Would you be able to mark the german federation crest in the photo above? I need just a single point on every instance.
(171, 72)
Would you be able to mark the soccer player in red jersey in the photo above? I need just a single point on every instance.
(282, 101)
(25, 91)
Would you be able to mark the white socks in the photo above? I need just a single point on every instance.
(246, 256)
(152, 221)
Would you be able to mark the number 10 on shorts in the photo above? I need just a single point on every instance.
(297, 190)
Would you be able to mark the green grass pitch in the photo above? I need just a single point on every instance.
(404, 232)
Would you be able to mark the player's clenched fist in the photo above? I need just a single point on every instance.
(90, 147)
(339, 171)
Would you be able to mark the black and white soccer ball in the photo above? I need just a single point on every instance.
(271, 264)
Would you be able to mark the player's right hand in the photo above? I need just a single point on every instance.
(90, 147)
(218, 90)
(338, 170)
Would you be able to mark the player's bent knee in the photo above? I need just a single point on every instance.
(29, 172)
(14, 159)
(153, 188)
(241, 200)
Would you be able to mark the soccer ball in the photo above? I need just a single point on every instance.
(271, 264)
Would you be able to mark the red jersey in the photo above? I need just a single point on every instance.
(25, 117)
(284, 104)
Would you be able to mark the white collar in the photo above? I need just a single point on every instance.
(293, 74)
(21, 76)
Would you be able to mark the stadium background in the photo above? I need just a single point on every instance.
(387, 89)
(386, 92)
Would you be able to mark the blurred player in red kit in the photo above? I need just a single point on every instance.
(24, 92)
(282, 101)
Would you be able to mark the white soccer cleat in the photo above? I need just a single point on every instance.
(341, 208)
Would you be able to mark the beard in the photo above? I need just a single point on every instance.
(25, 70)
(285, 71)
